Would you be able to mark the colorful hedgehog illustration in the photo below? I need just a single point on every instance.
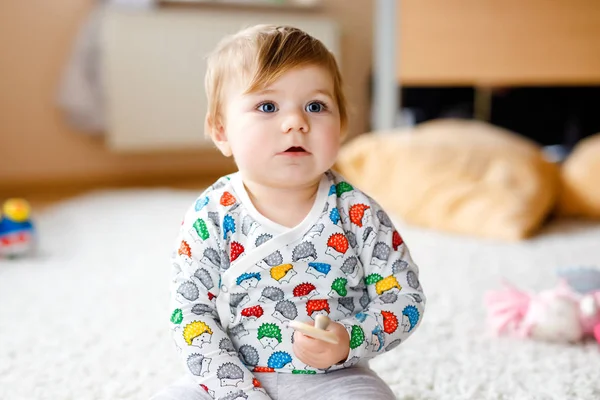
(334, 215)
(204, 277)
(396, 240)
(412, 279)
(269, 335)
(399, 266)
(384, 219)
(271, 293)
(187, 291)
(197, 333)
(236, 249)
(305, 290)
(201, 203)
(410, 318)
(304, 251)
(280, 360)
(285, 311)
(228, 226)
(283, 273)
(262, 239)
(351, 239)
(357, 213)
(337, 245)
(248, 280)
(253, 312)
(339, 286)
(377, 338)
(200, 230)
(346, 305)
(368, 236)
(390, 322)
(218, 185)
(213, 217)
(317, 307)
(227, 199)
(318, 270)
(361, 316)
(185, 251)
(262, 369)
(249, 225)
(343, 187)
(198, 364)
(314, 231)
(272, 260)
(239, 331)
(381, 253)
(350, 266)
(211, 255)
(386, 284)
(373, 278)
(230, 374)
(248, 355)
(357, 337)
(177, 316)
(304, 371)
(332, 190)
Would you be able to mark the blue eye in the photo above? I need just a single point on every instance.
(267, 107)
(315, 107)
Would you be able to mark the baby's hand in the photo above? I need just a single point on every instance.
(319, 354)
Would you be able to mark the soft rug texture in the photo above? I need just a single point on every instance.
(87, 318)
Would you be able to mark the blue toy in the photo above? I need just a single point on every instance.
(16, 229)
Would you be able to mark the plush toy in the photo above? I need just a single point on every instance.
(568, 313)
(16, 229)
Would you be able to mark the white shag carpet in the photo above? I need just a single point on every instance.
(87, 318)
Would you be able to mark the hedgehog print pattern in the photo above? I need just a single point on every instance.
(201, 203)
(213, 217)
(249, 225)
(320, 271)
(337, 245)
(285, 311)
(198, 364)
(271, 293)
(204, 277)
(249, 355)
(226, 346)
(230, 374)
(381, 254)
(187, 291)
(305, 251)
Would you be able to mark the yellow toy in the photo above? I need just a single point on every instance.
(16, 229)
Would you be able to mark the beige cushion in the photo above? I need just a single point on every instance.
(458, 176)
(580, 178)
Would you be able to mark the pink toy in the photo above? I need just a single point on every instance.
(568, 313)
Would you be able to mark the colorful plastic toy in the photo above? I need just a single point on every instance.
(16, 229)
(568, 313)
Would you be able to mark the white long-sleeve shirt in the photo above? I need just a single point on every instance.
(239, 279)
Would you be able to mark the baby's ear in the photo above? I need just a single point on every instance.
(216, 130)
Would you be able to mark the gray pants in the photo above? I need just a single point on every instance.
(357, 383)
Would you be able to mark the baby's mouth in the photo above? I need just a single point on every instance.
(295, 149)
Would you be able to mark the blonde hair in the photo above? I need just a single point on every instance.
(260, 55)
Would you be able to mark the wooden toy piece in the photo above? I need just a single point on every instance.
(318, 331)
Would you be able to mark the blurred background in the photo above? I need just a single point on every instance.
(104, 94)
